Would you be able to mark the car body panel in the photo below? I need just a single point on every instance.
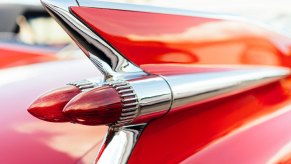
(152, 38)
(25, 138)
(13, 54)
(245, 128)
(208, 132)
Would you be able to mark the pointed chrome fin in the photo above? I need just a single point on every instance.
(111, 63)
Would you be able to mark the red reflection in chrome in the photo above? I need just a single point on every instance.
(99, 106)
(49, 106)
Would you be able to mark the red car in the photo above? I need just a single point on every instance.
(176, 86)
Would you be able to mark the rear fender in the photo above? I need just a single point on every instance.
(184, 71)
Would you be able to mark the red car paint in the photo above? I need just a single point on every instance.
(26, 139)
(246, 128)
(151, 38)
(251, 127)
(12, 55)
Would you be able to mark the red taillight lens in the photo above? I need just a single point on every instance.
(99, 106)
(49, 106)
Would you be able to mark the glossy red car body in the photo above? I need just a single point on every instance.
(249, 127)
(246, 128)
(25, 139)
(190, 40)
(252, 127)
(12, 54)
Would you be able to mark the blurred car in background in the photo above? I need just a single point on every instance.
(28, 35)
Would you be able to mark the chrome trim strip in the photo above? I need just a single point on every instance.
(119, 144)
(111, 63)
(152, 9)
(153, 96)
(149, 97)
(196, 88)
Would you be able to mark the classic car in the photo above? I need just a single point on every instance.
(171, 85)
(28, 35)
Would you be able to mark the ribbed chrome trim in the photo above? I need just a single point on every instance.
(100, 66)
(83, 85)
(129, 102)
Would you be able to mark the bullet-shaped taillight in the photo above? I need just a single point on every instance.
(99, 106)
(49, 106)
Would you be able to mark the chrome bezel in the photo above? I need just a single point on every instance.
(129, 102)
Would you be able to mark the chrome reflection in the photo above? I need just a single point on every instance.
(119, 144)
(112, 64)
(196, 88)
(158, 95)
(154, 97)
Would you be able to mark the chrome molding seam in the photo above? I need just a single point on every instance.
(111, 64)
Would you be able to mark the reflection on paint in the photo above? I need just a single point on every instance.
(70, 139)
